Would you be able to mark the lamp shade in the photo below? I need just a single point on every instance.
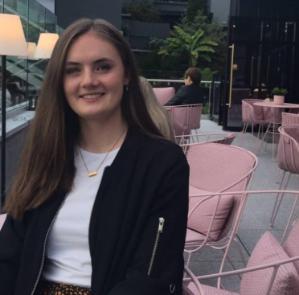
(12, 38)
(45, 45)
(31, 48)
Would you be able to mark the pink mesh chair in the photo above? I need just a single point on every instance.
(200, 137)
(289, 119)
(164, 94)
(2, 220)
(252, 115)
(288, 160)
(184, 118)
(272, 118)
(272, 268)
(216, 168)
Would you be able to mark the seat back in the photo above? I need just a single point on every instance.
(215, 168)
(288, 149)
(218, 167)
(183, 118)
(252, 113)
(289, 119)
(164, 94)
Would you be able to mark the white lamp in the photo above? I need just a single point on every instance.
(31, 48)
(12, 43)
(12, 38)
(45, 45)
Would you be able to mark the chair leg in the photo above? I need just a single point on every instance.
(245, 126)
(263, 138)
(279, 197)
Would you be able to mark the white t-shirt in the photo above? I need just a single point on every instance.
(67, 255)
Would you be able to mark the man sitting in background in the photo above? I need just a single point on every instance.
(191, 92)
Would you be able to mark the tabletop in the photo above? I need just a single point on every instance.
(271, 104)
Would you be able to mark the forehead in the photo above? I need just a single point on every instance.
(91, 46)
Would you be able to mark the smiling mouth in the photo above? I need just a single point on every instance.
(93, 95)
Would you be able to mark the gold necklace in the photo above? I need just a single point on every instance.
(95, 172)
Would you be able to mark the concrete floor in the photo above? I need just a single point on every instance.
(256, 216)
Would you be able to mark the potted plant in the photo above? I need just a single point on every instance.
(278, 95)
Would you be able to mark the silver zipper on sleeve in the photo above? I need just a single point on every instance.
(44, 250)
(159, 231)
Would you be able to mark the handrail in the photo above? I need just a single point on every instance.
(180, 81)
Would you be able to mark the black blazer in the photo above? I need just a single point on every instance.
(187, 94)
(147, 181)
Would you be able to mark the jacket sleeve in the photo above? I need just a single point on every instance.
(157, 265)
(10, 248)
(178, 98)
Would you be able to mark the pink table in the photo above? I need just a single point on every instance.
(272, 126)
(270, 104)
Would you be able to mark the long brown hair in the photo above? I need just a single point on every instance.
(47, 162)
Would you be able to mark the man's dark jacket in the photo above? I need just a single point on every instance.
(147, 180)
(187, 94)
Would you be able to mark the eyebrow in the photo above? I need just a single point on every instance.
(74, 63)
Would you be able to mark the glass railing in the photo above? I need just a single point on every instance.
(24, 77)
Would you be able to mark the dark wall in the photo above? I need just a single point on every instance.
(69, 11)
(265, 8)
(266, 38)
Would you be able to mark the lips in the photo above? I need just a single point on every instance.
(91, 95)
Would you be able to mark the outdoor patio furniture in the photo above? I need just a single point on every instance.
(252, 115)
(272, 114)
(184, 118)
(164, 94)
(288, 161)
(289, 119)
(200, 137)
(213, 219)
(272, 268)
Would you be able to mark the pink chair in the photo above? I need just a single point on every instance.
(270, 271)
(200, 137)
(272, 268)
(2, 220)
(164, 94)
(184, 118)
(289, 119)
(221, 214)
(252, 115)
(272, 118)
(288, 161)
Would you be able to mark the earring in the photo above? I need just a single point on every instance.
(126, 87)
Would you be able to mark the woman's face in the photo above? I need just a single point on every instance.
(94, 78)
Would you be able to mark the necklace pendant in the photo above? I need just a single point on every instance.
(92, 173)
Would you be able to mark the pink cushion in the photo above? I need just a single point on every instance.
(190, 289)
(201, 218)
(164, 94)
(269, 250)
(2, 219)
(194, 236)
(291, 245)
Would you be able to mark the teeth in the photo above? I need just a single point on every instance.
(91, 95)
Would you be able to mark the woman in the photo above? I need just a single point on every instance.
(156, 111)
(99, 205)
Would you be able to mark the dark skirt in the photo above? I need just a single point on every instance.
(51, 288)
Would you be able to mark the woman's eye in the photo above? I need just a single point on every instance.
(103, 67)
(72, 70)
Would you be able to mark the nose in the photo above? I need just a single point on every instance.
(89, 78)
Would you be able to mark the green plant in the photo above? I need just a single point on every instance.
(279, 91)
(194, 45)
